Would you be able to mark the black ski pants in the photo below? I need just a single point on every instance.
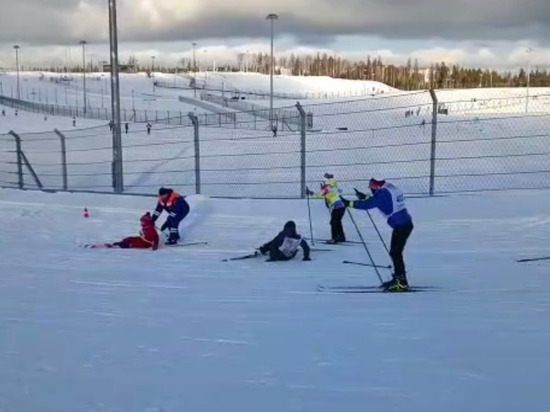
(399, 239)
(336, 227)
(275, 254)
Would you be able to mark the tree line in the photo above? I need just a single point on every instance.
(408, 76)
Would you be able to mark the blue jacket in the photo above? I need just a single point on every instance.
(176, 206)
(391, 203)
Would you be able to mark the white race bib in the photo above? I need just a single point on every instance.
(397, 199)
(290, 246)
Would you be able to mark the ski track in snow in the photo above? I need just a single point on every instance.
(179, 330)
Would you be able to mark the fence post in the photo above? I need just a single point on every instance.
(434, 140)
(302, 150)
(195, 121)
(63, 158)
(19, 159)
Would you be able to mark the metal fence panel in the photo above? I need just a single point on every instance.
(483, 141)
(8, 161)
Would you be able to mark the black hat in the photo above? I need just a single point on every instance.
(290, 227)
(163, 191)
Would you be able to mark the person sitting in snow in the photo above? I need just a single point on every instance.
(148, 236)
(177, 209)
(389, 199)
(285, 245)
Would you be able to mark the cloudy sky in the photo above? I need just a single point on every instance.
(491, 33)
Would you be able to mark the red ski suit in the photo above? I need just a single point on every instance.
(148, 238)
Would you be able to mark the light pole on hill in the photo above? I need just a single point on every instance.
(153, 72)
(194, 72)
(16, 47)
(83, 44)
(272, 17)
(529, 51)
(118, 178)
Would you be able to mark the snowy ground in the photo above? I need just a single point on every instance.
(178, 330)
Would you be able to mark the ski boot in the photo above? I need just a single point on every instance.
(387, 283)
(172, 240)
(397, 285)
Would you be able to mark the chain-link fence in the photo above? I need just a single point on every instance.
(172, 117)
(427, 142)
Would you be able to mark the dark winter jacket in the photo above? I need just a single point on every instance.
(288, 241)
(175, 205)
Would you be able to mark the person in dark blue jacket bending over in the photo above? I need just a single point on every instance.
(285, 245)
(177, 209)
(389, 199)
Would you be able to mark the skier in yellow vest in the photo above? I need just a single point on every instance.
(331, 193)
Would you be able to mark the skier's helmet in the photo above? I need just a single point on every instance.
(374, 184)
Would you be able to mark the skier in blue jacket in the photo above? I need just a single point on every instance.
(390, 201)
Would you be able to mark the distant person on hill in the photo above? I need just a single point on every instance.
(126, 128)
(389, 199)
(148, 126)
(3, 112)
(285, 245)
(177, 209)
(17, 112)
(330, 192)
(74, 121)
(111, 125)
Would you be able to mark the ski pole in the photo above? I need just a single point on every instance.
(310, 222)
(347, 262)
(365, 246)
(378, 232)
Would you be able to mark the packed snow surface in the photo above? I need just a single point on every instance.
(179, 330)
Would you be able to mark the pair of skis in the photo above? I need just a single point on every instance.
(256, 254)
(370, 289)
(110, 245)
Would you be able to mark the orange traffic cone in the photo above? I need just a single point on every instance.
(86, 213)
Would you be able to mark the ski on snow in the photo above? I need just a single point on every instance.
(250, 256)
(330, 242)
(187, 244)
(110, 246)
(538, 259)
(370, 289)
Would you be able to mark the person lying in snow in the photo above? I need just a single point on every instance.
(285, 245)
(148, 237)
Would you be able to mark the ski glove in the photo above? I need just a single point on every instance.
(309, 192)
(346, 202)
(360, 195)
